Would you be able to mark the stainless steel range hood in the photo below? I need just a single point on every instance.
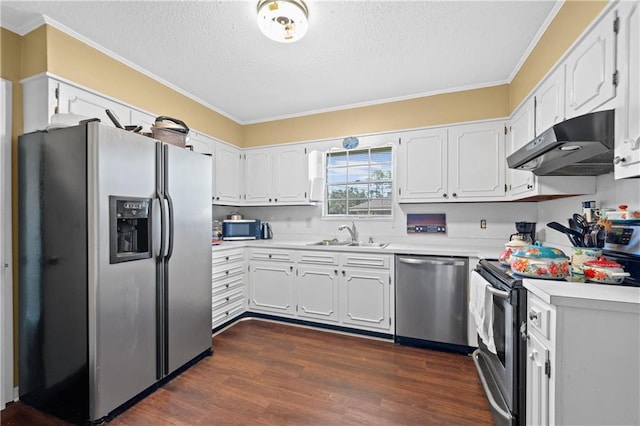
(580, 146)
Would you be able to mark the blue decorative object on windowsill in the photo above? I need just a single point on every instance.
(350, 142)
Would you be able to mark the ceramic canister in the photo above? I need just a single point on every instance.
(580, 255)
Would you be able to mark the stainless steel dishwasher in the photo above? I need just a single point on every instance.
(431, 302)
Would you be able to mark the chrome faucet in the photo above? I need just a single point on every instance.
(352, 230)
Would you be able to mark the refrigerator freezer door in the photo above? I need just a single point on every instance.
(122, 296)
(188, 269)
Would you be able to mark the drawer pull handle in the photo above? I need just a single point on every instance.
(226, 272)
(226, 258)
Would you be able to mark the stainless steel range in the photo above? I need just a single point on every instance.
(502, 371)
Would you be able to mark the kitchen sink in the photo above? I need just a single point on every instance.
(330, 243)
(365, 244)
(336, 243)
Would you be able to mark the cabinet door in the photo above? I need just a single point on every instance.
(364, 299)
(290, 175)
(228, 174)
(537, 382)
(590, 70)
(476, 165)
(549, 101)
(78, 101)
(318, 293)
(627, 146)
(422, 165)
(521, 132)
(258, 177)
(201, 143)
(272, 287)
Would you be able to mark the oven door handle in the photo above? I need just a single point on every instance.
(477, 354)
(499, 293)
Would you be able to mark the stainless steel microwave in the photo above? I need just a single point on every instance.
(241, 229)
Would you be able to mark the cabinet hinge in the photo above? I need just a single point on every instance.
(615, 78)
(305, 150)
(399, 141)
(57, 93)
(616, 25)
(547, 368)
(305, 194)
(505, 187)
(389, 284)
(399, 191)
(505, 130)
(389, 321)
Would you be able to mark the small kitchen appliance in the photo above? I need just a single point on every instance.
(526, 232)
(241, 229)
(267, 233)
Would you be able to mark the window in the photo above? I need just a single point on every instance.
(359, 182)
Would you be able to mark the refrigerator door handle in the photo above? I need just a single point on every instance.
(160, 197)
(171, 227)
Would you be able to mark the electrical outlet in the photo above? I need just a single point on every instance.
(483, 223)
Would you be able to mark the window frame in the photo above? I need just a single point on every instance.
(391, 181)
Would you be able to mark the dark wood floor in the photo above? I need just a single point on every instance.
(265, 373)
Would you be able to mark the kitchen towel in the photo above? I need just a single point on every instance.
(481, 309)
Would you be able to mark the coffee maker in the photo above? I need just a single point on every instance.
(526, 232)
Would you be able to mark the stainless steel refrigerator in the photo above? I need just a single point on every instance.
(114, 267)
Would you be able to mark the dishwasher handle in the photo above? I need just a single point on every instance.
(414, 261)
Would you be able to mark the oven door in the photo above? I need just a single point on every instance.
(497, 371)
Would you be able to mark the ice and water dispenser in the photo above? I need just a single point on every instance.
(129, 229)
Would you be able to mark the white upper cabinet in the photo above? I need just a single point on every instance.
(201, 143)
(81, 102)
(591, 68)
(627, 147)
(276, 176)
(549, 101)
(476, 161)
(257, 188)
(290, 175)
(459, 163)
(522, 131)
(422, 165)
(227, 180)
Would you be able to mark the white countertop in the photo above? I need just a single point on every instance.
(476, 251)
(597, 296)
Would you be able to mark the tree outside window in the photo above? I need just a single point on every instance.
(359, 182)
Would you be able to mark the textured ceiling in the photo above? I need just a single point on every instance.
(355, 52)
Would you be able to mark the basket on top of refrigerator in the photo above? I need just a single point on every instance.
(170, 130)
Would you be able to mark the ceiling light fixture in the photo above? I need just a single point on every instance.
(284, 21)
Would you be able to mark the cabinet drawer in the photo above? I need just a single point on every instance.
(223, 285)
(365, 260)
(538, 316)
(219, 273)
(227, 312)
(228, 297)
(266, 254)
(319, 258)
(227, 256)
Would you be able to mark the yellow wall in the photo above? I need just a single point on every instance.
(69, 58)
(569, 23)
(469, 105)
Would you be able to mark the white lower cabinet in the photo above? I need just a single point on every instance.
(364, 298)
(353, 290)
(272, 287)
(582, 355)
(228, 298)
